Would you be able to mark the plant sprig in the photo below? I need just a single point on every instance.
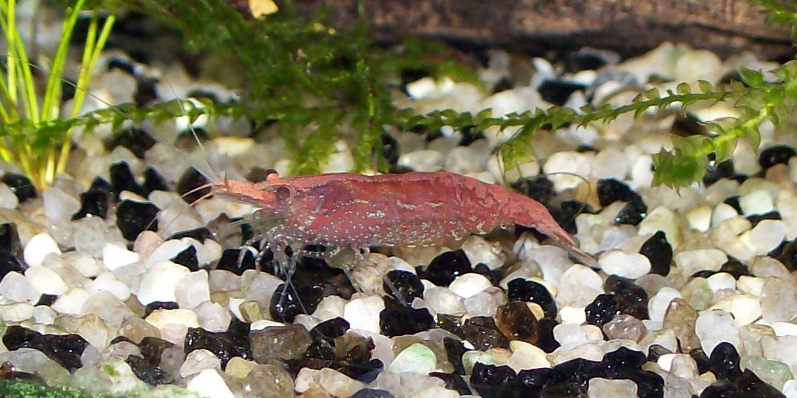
(30, 133)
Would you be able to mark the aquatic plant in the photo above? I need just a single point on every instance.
(32, 135)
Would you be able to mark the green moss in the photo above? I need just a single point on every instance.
(28, 389)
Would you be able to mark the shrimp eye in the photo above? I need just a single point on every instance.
(283, 193)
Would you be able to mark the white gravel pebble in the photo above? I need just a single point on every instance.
(166, 251)
(107, 282)
(721, 280)
(756, 202)
(765, 237)
(16, 287)
(38, 248)
(209, 383)
(606, 388)
(692, 261)
(58, 205)
(575, 315)
(159, 282)
(626, 265)
(7, 198)
(657, 306)
(480, 251)
(440, 300)
(699, 218)
(470, 284)
(46, 280)
(714, 327)
(192, 289)
(71, 302)
(363, 313)
(114, 256)
(16, 312)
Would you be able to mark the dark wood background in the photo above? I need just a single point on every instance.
(536, 26)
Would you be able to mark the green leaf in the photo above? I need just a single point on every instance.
(705, 86)
(683, 88)
(752, 77)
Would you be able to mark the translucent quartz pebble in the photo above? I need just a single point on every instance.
(714, 327)
(692, 261)
(681, 318)
(625, 327)
(328, 380)
(775, 373)
(779, 300)
(416, 358)
(698, 293)
(605, 388)
(658, 304)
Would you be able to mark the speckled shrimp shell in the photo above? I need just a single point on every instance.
(343, 210)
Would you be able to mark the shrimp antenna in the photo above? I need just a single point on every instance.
(210, 173)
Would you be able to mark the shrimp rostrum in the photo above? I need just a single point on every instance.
(343, 210)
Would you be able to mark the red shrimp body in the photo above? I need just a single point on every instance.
(410, 209)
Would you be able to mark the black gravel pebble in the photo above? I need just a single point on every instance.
(558, 91)
(133, 217)
(285, 304)
(602, 310)
(687, 125)
(649, 384)
(788, 254)
(750, 385)
(94, 202)
(529, 291)
(153, 181)
(122, 179)
(659, 252)
(447, 266)
(633, 212)
(187, 258)
(611, 190)
(190, 181)
(623, 362)
(571, 378)
(632, 299)
(701, 359)
(735, 268)
(398, 320)
(390, 148)
(135, 139)
(778, 154)
(187, 139)
(100, 184)
(146, 91)
(9, 239)
(588, 59)
(160, 305)
(718, 171)
(568, 210)
(20, 185)
(46, 299)
(538, 188)
(147, 373)
(483, 334)
(314, 277)
(403, 286)
(231, 260)
(152, 348)
(470, 135)
(199, 234)
(324, 336)
(65, 349)
(224, 345)
(453, 382)
(655, 351)
(491, 380)
(10, 263)
(724, 362)
(454, 351)
(546, 340)
(756, 218)
(733, 201)
(372, 393)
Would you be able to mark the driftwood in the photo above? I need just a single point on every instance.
(536, 26)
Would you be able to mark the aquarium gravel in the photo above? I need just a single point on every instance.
(693, 293)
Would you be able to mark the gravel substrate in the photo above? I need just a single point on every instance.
(694, 293)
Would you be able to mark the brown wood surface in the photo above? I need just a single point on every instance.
(628, 26)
